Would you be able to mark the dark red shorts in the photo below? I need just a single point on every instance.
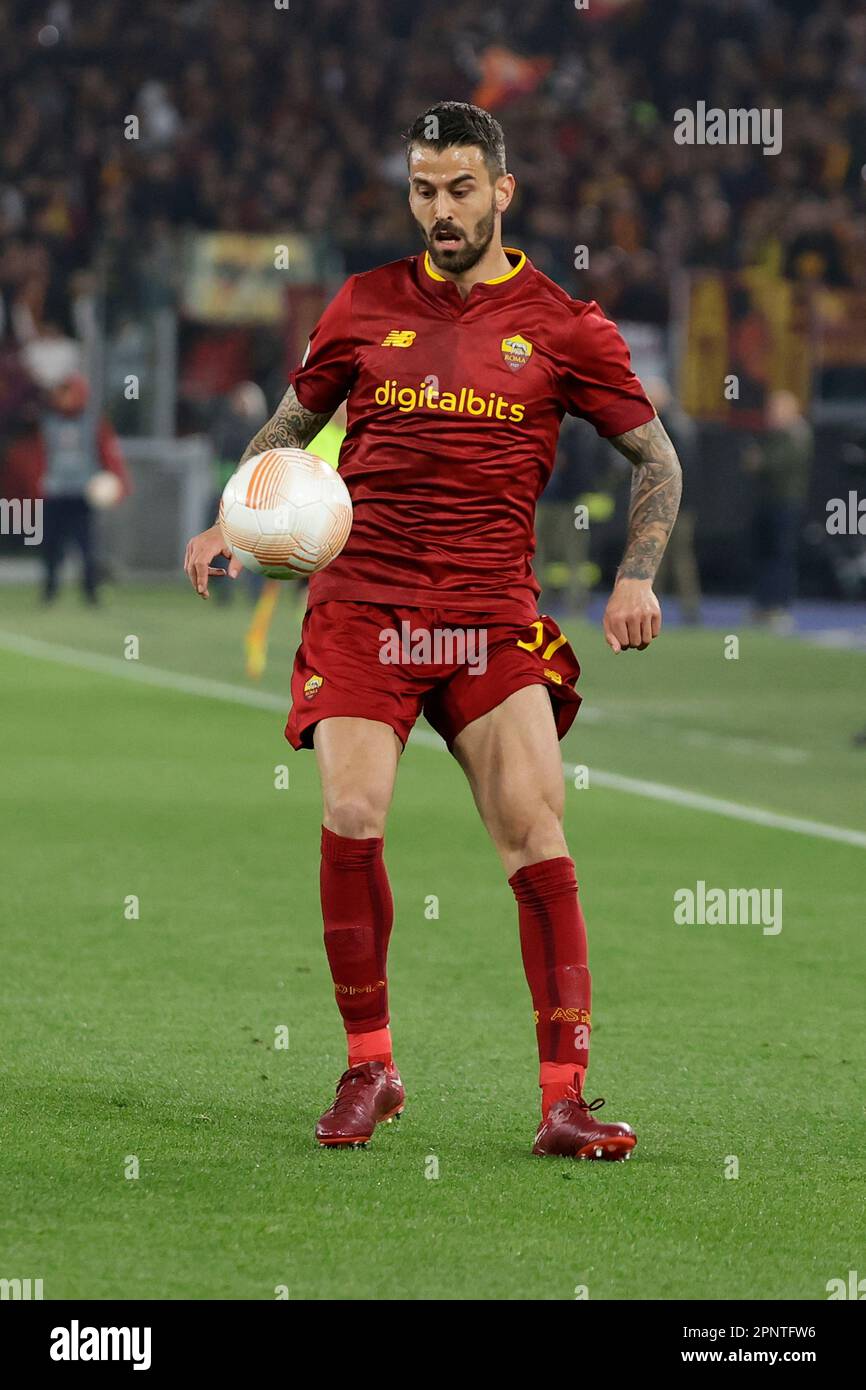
(368, 661)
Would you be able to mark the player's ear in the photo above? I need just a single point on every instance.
(504, 191)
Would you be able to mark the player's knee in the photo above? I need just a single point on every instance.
(531, 838)
(355, 817)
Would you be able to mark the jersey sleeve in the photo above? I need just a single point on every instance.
(599, 383)
(326, 371)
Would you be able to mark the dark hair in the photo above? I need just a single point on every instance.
(459, 123)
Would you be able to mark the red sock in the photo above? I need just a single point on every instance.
(371, 1047)
(358, 913)
(553, 944)
(559, 1081)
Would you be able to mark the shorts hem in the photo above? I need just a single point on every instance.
(565, 707)
(299, 733)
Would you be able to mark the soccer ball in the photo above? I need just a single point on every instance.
(285, 513)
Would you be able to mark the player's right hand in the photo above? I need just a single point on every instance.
(201, 551)
(633, 617)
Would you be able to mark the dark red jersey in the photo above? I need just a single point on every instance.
(454, 408)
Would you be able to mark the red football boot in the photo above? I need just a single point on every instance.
(570, 1131)
(366, 1095)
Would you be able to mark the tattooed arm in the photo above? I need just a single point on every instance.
(633, 616)
(291, 426)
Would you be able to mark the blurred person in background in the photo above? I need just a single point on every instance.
(81, 468)
(781, 462)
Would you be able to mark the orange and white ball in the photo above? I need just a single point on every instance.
(285, 514)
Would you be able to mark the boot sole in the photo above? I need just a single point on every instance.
(615, 1150)
(360, 1141)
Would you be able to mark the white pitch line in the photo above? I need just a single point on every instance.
(701, 738)
(145, 675)
(262, 699)
(697, 801)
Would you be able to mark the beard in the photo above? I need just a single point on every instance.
(468, 252)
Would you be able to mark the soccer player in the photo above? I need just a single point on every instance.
(457, 366)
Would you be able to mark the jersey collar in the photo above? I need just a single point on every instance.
(436, 282)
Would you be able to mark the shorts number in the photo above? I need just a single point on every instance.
(539, 638)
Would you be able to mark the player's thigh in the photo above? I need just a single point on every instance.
(511, 758)
(357, 761)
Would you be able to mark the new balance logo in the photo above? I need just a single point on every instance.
(399, 337)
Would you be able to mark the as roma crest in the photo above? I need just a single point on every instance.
(313, 686)
(516, 351)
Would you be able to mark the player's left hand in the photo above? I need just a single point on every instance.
(633, 616)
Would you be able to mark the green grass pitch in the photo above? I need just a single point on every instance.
(155, 1039)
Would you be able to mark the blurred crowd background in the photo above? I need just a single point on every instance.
(152, 155)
